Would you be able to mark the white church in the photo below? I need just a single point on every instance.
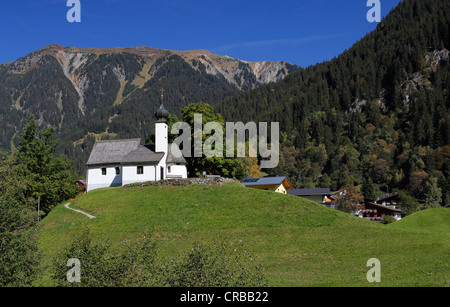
(115, 163)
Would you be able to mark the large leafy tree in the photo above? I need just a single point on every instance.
(350, 201)
(215, 165)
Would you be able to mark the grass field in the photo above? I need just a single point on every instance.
(299, 243)
(435, 221)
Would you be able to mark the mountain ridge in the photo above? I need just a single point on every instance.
(222, 64)
(73, 61)
(109, 92)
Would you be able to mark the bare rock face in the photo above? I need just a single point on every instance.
(244, 75)
(267, 72)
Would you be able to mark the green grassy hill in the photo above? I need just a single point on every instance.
(431, 220)
(299, 243)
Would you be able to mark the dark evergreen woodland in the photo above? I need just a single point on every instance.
(376, 116)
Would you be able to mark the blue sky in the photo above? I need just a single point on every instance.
(302, 32)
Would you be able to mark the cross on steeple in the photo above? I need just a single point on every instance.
(162, 95)
(162, 114)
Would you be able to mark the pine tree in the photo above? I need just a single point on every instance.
(432, 193)
(52, 179)
(19, 256)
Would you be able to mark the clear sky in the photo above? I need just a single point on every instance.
(302, 32)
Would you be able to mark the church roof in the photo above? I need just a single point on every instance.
(143, 154)
(174, 158)
(112, 151)
(128, 152)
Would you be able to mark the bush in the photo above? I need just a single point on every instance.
(215, 265)
(137, 265)
(19, 258)
(388, 219)
(134, 265)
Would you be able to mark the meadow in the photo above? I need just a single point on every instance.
(298, 242)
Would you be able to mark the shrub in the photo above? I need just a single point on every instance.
(136, 265)
(215, 265)
(388, 219)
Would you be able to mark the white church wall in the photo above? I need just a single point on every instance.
(176, 171)
(96, 179)
(130, 174)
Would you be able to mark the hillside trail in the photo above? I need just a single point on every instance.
(79, 211)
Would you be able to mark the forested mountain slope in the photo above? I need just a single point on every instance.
(110, 93)
(376, 115)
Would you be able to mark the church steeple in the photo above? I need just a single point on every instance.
(161, 133)
(162, 114)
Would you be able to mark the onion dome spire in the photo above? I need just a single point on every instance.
(162, 114)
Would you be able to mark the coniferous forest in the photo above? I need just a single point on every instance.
(375, 117)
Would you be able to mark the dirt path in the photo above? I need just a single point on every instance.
(79, 211)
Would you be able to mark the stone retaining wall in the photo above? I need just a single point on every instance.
(183, 182)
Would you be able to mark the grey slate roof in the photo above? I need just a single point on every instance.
(171, 158)
(127, 152)
(142, 154)
(309, 192)
(248, 182)
(112, 151)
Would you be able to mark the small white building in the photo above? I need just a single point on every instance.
(115, 163)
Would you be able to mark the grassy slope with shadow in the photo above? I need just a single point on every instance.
(300, 243)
